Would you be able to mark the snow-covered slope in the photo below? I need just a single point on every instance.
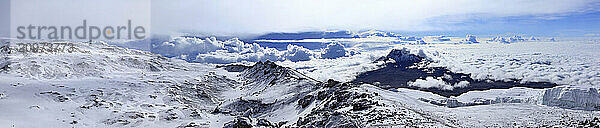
(89, 59)
(101, 85)
(269, 92)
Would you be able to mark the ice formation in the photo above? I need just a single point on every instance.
(572, 98)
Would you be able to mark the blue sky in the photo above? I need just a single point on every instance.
(573, 24)
(535, 17)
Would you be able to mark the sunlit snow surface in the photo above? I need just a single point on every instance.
(109, 86)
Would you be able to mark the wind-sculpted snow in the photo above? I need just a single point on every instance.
(101, 85)
(346, 105)
(456, 85)
(521, 110)
(268, 90)
(312, 103)
(93, 59)
(270, 82)
(338, 104)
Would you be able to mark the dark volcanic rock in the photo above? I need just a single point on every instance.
(268, 80)
(247, 122)
(234, 67)
(337, 95)
(240, 122)
(407, 67)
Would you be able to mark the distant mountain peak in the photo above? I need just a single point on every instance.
(401, 57)
(376, 33)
